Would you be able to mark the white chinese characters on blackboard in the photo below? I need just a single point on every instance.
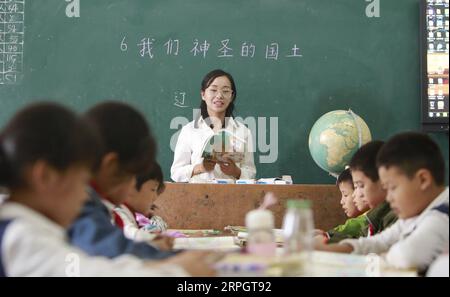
(147, 47)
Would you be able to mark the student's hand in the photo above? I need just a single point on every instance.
(229, 168)
(320, 241)
(196, 263)
(318, 232)
(164, 243)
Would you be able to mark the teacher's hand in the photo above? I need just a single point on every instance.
(209, 165)
(206, 166)
(229, 168)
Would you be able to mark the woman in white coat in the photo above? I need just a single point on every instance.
(218, 93)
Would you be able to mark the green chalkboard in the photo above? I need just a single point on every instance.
(293, 60)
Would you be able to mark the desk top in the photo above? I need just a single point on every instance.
(318, 264)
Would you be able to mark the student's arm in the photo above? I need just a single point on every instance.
(29, 250)
(338, 237)
(248, 168)
(377, 244)
(423, 245)
(94, 233)
(133, 232)
(335, 248)
(182, 169)
(131, 229)
(352, 228)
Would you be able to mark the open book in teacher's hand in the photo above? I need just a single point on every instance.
(224, 145)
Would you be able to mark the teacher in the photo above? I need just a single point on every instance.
(218, 94)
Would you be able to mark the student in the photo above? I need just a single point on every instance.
(357, 223)
(218, 93)
(46, 157)
(140, 201)
(128, 150)
(151, 222)
(369, 189)
(412, 170)
(360, 204)
(344, 183)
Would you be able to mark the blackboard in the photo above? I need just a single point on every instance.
(291, 59)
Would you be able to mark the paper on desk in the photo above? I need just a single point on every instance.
(222, 243)
(321, 264)
(277, 232)
(337, 264)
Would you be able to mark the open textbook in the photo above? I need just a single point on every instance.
(224, 145)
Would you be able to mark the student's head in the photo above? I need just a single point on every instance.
(360, 203)
(147, 189)
(345, 185)
(46, 157)
(412, 170)
(365, 174)
(218, 93)
(128, 148)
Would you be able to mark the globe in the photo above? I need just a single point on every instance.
(335, 137)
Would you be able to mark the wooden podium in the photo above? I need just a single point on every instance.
(214, 206)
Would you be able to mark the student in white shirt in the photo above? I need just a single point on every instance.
(141, 200)
(218, 92)
(46, 157)
(412, 170)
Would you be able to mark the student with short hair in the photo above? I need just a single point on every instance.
(357, 223)
(412, 171)
(369, 189)
(140, 201)
(344, 182)
(151, 222)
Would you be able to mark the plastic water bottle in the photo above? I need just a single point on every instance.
(261, 238)
(298, 227)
